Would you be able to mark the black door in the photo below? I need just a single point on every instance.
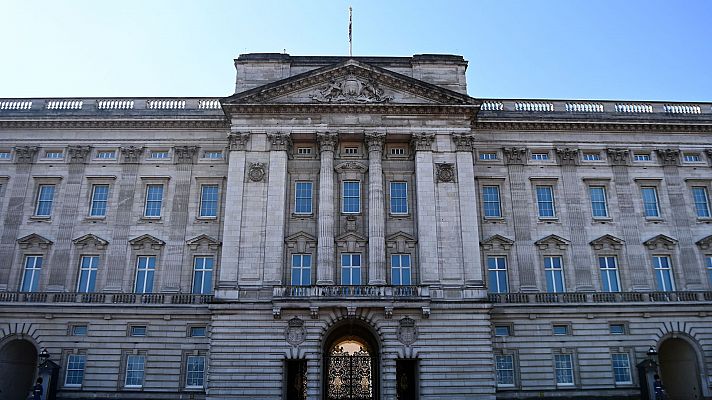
(296, 380)
(406, 380)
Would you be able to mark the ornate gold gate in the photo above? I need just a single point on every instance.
(349, 372)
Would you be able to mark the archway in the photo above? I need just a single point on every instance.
(679, 369)
(351, 367)
(18, 363)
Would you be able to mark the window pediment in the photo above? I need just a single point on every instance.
(607, 242)
(552, 242)
(34, 240)
(146, 241)
(705, 243)
(351, 242)
(203, 240)
(497, 242)
(401, 242)
(660, 242)
(90, 240)
(301, 242)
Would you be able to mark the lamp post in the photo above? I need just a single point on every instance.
(49, 372)
(652, 354)
(44, 356)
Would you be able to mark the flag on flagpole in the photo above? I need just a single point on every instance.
(350, 31)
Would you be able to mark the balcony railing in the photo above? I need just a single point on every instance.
(596, 107)
(340, 292)
(599, 297)
(104, 298)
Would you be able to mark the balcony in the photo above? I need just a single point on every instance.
(352, 292)
(105, 298)
(599, 297)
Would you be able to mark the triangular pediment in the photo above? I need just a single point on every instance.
(300, 236)
(90, 240)
(705, 243)
(607, 242)
(147, 241)
(660, 242)
(497, 242)
(350, 82)
(34, 239)
(552, 242)
(351, 242)
(203, 240)
(300, 242)
(400, 242)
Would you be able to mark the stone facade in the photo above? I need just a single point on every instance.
(220, 249)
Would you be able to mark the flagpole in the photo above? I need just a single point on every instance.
(350, 20)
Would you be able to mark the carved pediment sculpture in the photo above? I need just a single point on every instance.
(34, 240)
(90, 240)
(705, 243)
(609, 242)
(300, 242)
(401, 242)
(351, 242)
(552, 242)
(497, 242)
(350, 89)
(203, 240)
(660, 242)
(146, 241)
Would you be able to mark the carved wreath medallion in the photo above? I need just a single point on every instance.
(407, 333)
(350, 89)
(445, 172)
(296, 333)
(256, 173)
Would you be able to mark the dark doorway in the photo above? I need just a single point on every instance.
(679, 370)
(351, 364)
(296, 379)
(18, 363)
(406, 379)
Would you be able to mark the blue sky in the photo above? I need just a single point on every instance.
(570, 49)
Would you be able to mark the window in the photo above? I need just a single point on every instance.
(641, 157)
(197, 331)
(708, 259)
(540, 156)
(159, 154)
(490, 202)
(505, 369)
(691, 157)
(488, 156)
(400, 269)
(564, 369)
(304, 151)
(650, 201)
(617, 329)
(54, 154)
(554, 271)
(702, 204)
(208, 201)
(79, 330)
(99, 198)
(145, 269)
(609, 274)
(75, 370)
(5, 155)
(154, 201)
(203, 275)
(545, 201)
(502, 330)
(560, 330)
(621, 368)
(399, 198)
(351, 197)
(88, 267)
(663, 273)
(303, 198)
(31, 275)
(195, 371)
(213, 155)
(497, 274)
(138, 330)
(351, 151)
(45, 198)
(599, 208)
(301, 269)
(591, 156)
(397, 151)
(351, 269)
(106, 154)
(135, 365)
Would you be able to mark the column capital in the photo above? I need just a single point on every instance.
(464, 141)
(327, 141)
(567, 155)
(618, 156)
(238, 141)
(25, 154)
(185, 154)
(422, 141)
(78, 154)
(668, 156)
(375, 141)
(279, 141)
(515, 155)
(132, 154)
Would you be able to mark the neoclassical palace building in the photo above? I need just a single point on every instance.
(354, 228)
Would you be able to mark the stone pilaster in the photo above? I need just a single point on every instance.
(469, 220)
(376, 207)
(276, 201)
(427, 221)
(227, 280)
(325, 244)
(78, 154)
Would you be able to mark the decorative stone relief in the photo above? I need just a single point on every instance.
(497, 242)
(351, 166)
(463, 142)
(407, 333)
(279, 141)
(668, 156)
(185, 154)
(705, 243)
(445, 172)
(204, 241)
(237, 141)
(78, 154)
(90, 240)
(552, 242)
(25, 154)
(146, 241)
(567, 156)
(256, 172)
(422, 141)
(350, 89)
(34, 240)
(515, 155)
(327, 141)
(607, 242)
(375, 141)
(352, 224)
(663, 242)
(132, 154)
(618, 156)
(296, 332)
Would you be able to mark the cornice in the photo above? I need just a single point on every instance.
(591, 126)
(381, 108)
(221, 123)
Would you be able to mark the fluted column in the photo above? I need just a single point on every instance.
(469, 220)
(376, 214)
(276, 201)
(325, 246)
(427, 219)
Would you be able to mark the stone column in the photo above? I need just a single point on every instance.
(427, 221)
(325, 245)
(276, 207)
(24, 157)
(227, 280)
(469, 220)
(376, 213)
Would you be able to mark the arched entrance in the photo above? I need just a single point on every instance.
(351, 363)
(679, 369)
(18, 363)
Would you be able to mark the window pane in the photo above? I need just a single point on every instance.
(88, 268)
(598, 201)
(303, 198)
(621, 368)
(564, 369)
(609, 274)
(350, 269)
(31, 274)
(134, 370)
(490, 201)
(545, 201)
(209, 201)
(99, 197)
(145, 267)
(650, 202)
(702, 205)
(351, 197)
(399, 198)
(75, 370)
(45, 197)
(663, 273)
(505, 370)
(497, 275)
(400, 269)
(195, 371)
(154, 200)
(301, 269)
(554, 274)
(203, 275)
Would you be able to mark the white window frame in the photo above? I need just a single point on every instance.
(659, 269)
(95, 204)
(540, 156)
(588, 156)
(654, 190)
(353, 270)
(615, 367)
(344, 197)
(400, 270)
(540, 202)
(564, 362)
(511, 370)
(691, 157)
(145, 268)
(33, 271)
(202, 208)
(403, 198)
(708, 259)
(607, 267)
(497, 270)
(106, 154)
(213, 155)
(54, 155)
(74, 366)
(604, 202)
(642, 157)
(40, 201)
(200, 372)
(297, 197)
(200, 266)
(5, 155)
(142, 371)
(91, 269)
(485, 201)
(551, 269)
(702, 208)
(300, 268)
(159, 155)
(160, 201)
(488, 156)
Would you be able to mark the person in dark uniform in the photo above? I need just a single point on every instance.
(37, 390)
(658, 387)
